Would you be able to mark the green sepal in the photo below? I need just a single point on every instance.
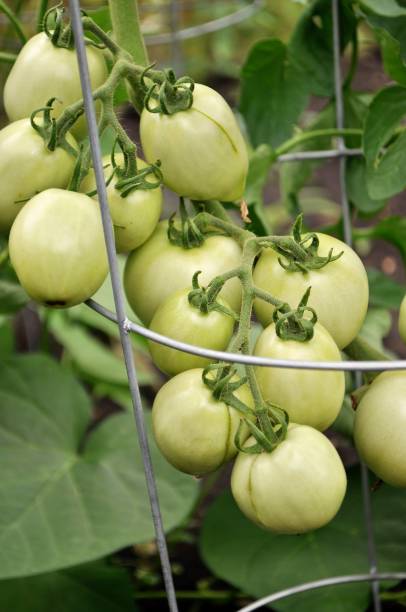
(204, 298)
(291, 324)
(170, 95)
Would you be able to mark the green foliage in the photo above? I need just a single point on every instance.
(260, 563)
(93, 587)
(69, 495)
(273, 93)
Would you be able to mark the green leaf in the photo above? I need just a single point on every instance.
(384, 292)
(273, 93)
(261, 563)
(385, 175)
(376, 327)
(356, 185)
(394, 26)
(94, 359)
(394, 66)
(67, 495)
(387, 8)
(311, 45)
(93, 587)
(12, 297)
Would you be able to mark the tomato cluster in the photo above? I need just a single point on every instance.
(288, 477)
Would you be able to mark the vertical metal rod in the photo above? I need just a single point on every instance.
(348, 239)
(119, 302)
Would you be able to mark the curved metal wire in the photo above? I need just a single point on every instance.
(208, 27)
(319, 584)
(346, 366)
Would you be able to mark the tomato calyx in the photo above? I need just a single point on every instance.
(223, 380)
(59, 32)
(168, 96)
(273, 424)
(189, 235)
(299, 254)
(290, 324)
(47, 128)
(129, 176)
(205, 298)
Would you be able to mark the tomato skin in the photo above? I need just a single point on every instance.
(402, 320)
(194, 431)
(134, 217)
(43, 71)
(177, 319)
(28, 167)
(158, 268)
(380, 428)
(297, 488)
(339, 291)
(203, 153)
(310, 397)
(57, 248)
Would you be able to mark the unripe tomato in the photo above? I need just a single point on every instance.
(43, 71)
(27, 167)
(380, 428)
(339, 293)
(297, 488)
(158, 268)
(178, 319)
(134, 217)
(202, 151)
(402, 320)
(194, 431)
(310, 397)
(57, 248)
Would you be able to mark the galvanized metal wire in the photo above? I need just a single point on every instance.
(126, 325)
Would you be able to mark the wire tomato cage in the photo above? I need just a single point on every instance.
(126, 326)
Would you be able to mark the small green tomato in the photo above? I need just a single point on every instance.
(380, 428)
(178, 319)
(57, 248)
(296, 488)
(194, 431)
(135, 216)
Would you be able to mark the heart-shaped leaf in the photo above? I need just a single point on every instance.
(66, 495)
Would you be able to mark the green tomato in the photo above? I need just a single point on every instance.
(339, 291)
(43, 71)
(402, 320)
(158, 268)
(178, 319)
(380, 428)
(28, 167)
(202, 151)
(194, 431)
(134, 217)
(296, 488)
(57, 248)
(309, 397)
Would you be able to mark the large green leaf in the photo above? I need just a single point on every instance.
(93, 587)
(273, 93)
(12, 297)
(391, 229)
(260, 563)
(394, 26)
(68, 496)
(385, 160)
(311, 45)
